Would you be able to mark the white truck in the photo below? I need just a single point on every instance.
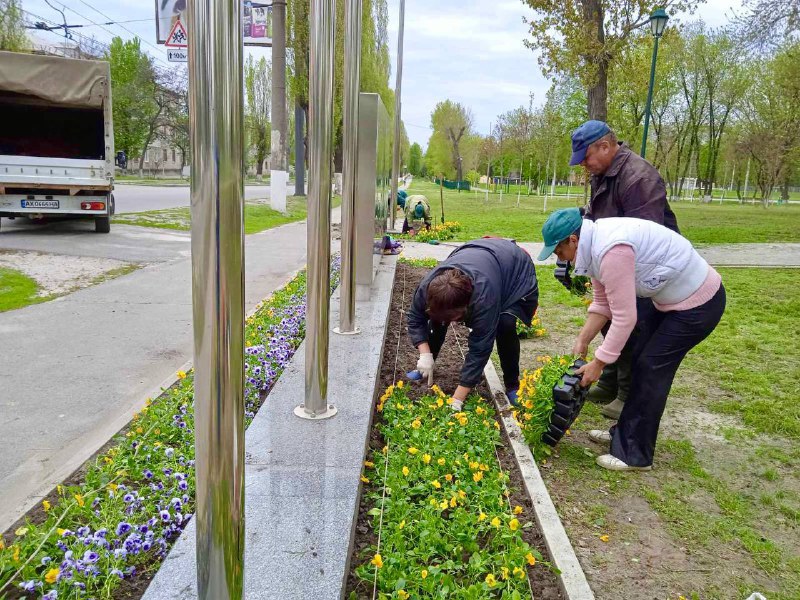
(56, 139)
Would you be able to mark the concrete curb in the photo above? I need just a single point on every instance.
(572, 578)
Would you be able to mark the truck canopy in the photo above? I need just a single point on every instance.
(65, 81)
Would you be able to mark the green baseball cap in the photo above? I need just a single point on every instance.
(558, 227)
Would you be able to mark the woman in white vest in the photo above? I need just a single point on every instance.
(629, 258)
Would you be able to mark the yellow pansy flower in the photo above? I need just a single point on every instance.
(436, 484)
(377, 561)
(21, 532)
(443, 504)
(402, 524)
(530, 558)
(402, 594)
(477, 476)
(181, 375)
(369, 464)
(400, 385)
(79, 500)
(481, 516)
(449, 477)
(495, 522)
(416, 424)
(406, 471)
(424, 573)
(426, 458)
(504, 572)
(517, 510)
(52, 575)
(412, 451)
(364, 479)
(441, 462)
(604, 538)
(513, 524)
(520, 572)
(490, 580)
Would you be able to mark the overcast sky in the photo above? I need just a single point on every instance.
(470, 51)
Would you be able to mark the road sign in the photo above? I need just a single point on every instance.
(256, 21)
(178, 55)
(177, 38)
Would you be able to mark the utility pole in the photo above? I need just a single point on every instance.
(299, 151)
(278, 154)
(397, 108)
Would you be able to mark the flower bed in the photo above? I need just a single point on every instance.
(443, 232)
(535, 330)
(111, 530)
(425, 549)
(447, 527)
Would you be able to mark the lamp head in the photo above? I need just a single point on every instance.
(658, 22)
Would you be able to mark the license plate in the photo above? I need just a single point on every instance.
(40, 204)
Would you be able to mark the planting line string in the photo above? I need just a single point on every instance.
(380, 522)
(386, 463)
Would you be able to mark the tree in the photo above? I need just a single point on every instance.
(415, 159)
(771, 115)
(585, 37)
(134, 93)
(450, 122)
(769, 22)
(12, 26)
(176, 120)
(258, 87)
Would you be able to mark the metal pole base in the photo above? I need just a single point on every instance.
(301, 412)
(338, 330)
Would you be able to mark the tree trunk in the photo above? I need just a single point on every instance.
(597, 96)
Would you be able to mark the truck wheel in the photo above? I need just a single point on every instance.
(112, 205)
(102, 224)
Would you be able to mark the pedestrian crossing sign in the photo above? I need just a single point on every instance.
(177, 38)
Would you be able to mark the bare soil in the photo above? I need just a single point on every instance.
(399, 358)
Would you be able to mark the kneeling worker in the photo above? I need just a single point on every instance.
(629, 258)
(418, 214)
(487, 284)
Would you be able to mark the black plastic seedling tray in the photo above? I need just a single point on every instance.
(569, 398)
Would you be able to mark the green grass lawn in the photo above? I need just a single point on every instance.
(257, 216)
(700, 223)
(17, 290)
(719, 516)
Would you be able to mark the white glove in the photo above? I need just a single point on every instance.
(425, 366)
(456, 405)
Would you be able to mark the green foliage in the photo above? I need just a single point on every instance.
(17, 290)
(473, 177)
(451, 123)
(258, 88)
(447, 529)
(134, 89)
(415, 159)
(12, 26)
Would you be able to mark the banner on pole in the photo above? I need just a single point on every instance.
(256, 21)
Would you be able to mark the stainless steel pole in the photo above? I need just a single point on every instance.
(280, 134)
(216, 128)
(320, 135)
(352, 78)
(397, 108)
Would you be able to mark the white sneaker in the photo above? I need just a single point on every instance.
(456, 405)
(600, 436)
(612, 463)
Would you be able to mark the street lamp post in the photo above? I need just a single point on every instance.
(658, 22)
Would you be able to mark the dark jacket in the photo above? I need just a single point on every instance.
(502, 274)
(631, 187)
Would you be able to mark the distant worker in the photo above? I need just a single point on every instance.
(623, 185)
(401, 199)
(487, 284)
(418, 214)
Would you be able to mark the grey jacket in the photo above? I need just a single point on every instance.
(502, 274)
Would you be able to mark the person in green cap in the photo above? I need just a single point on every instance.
(630, 258)
(418, 214)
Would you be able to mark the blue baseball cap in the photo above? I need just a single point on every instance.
(558, 227)
(419, 211)
(583, 137)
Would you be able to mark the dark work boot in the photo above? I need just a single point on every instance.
(613, 409)
(606, 388)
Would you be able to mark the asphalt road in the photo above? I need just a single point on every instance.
(141, 198)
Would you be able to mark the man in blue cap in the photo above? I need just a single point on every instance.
(623, 185)
(418, 214)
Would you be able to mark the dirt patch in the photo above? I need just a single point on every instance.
(59, 274)
(400, 357)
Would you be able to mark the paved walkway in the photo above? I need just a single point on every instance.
(726, 255)
(74, 370)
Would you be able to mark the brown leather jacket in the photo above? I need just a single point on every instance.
(631, 187)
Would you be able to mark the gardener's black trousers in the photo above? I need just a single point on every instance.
(506, 339)
(659, 350)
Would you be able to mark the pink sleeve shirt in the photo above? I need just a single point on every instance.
(615, 298)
